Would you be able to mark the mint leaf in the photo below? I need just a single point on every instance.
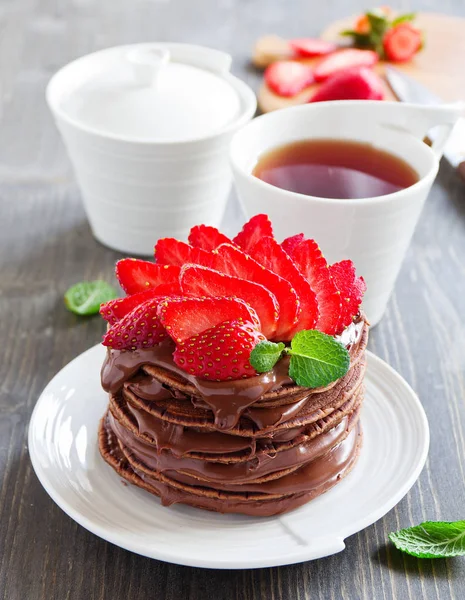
(403, 19)
(317, 359)
(432, 539)
(86, 297)
(265, 355)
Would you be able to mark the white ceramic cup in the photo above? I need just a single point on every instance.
(139, 187)
(373, 232)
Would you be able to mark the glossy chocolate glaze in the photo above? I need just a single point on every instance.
(228, 399)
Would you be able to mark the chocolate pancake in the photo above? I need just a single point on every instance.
(258, 446)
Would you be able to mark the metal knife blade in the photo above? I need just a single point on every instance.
(408, 89)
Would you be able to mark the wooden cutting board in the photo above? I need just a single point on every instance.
(439, 66)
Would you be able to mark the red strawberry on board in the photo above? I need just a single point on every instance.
(238, 264)
(135, 275)
(140, 328)
(185, 317)
(114, 310)
(255, 228)
(351, 288)
(344, 59)
(309, 47)
(271, 255)
(291, 242)
(206, 237)
(220, 353)
(357, 83)
(314, 268)
(169, 251)
(402, 42)
(200, 281)
(288, 77)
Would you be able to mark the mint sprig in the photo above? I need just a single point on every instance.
(85, 298)
(317, 359)
(431, 539)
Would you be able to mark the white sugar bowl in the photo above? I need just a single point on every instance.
(147, 128)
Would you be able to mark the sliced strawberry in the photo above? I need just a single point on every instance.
(140, 328)
(206, 237)
(291, 242)
(311, 47)
(271, 255)
(313, 266)
(220, 353)
(255, 228)
(358, 83)
(114, 310)
(288, 77)
(351, 288)
(135, 275)
(344, 59)
(402, 42)
(169, 251)
(238, 264)
(185, 317)
(200, 281)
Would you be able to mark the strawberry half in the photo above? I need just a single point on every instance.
(290, 243)
(238, 264)
(169, 251)
(288, 77)
(185, 317)
(200, 281)
(114, 310)
(206, 237)
(344, 59)
(220, 353)
(314, 268)
(255, 228)
(140, 328)
(351, 288)
(309, 47)
(402, 42)
(358, 83)
(135, 275)
(271, 255)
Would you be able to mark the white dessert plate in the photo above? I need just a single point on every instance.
(65, 456)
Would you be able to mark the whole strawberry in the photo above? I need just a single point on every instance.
(220, 353)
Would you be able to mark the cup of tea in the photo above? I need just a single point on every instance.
(352, 174)
(147, 128)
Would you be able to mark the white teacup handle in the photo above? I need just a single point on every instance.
(418, 119)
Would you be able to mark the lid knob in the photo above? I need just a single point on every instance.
(147, 63)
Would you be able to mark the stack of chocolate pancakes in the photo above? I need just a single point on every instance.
(259, 446)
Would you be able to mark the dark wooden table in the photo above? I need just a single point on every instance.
(46, 245)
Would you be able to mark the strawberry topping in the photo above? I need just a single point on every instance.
(402, 42)
(313, 266)
(351, 288)
(288, 77)
(291, 242)
(185, 317)
(200, 281)
(169, 251)
(253, 230)
(206, 237)
(221, 352)
(344, 59)
(135, 275)
(271, 255)
(140, 328)
(114, 310)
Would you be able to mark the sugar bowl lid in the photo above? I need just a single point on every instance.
(151, 93)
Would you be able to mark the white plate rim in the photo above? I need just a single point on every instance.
(327, 545)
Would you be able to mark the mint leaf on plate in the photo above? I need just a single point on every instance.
(265, 355)
(431, 539)
(317, 359)
(86, 297)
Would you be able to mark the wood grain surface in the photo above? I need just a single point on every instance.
(46, 245)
